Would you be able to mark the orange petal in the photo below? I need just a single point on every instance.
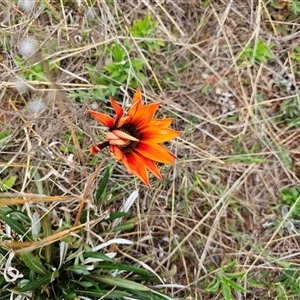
(162, 123)
(118, 142)
(111, 136)
(123, 135)
(137, 97)
(137, 101)
(144, 115)
(152, 167)
(97, 148)
(138, 166)
(123, 121)
(155, 152)
(102, 118)
(157, 134)
(134, 108)
(116, 153)
(118, 109)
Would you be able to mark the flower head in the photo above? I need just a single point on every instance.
(134, 138)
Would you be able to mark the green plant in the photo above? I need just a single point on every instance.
(288, 283)
(243, 154)
(121, 69)
(296, 54)
(206, 90)
(286, 286)
(291, 198)
(68, 147)
(143, 28)
(51, 263)
(226, 281)
(260, 53)
(4, 138)
(295, 6)
(290, 112)
(7, 184)
(33, 72)
(120, 66)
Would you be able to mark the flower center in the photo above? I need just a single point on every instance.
(130, 145)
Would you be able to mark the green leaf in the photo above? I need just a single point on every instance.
(122, 79)
(97, 255)
(137, 64)
(121, 282)
(80, 270)
(4, 134)
(8, 183)
(16, 226)
(111, 68)
(226, 292)
(229, 266)
(255, 283)
(112, 89)
(98, 294)
(235, 274)
(38, 283)
(85, 284)
(234, 285)
(213, 286)
(118, 53)
(123, 227)
(33, 263)
(118, 266)
(143, 27)
(102, 185)
(141, 77)
(116, 215)
(115, 74)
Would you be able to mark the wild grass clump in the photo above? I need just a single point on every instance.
(223, 223)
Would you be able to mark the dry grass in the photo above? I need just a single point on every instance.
(220, 202)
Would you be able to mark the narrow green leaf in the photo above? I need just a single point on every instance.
(118, 53)
(97, 255)
(33, 263)
(226, 292)
(121, 282)
(98, 294)
(214, 286)
(123, 227)
(229, 266)
(18, 216)
(235, 274)
(80, 270)
(16, 226)
(128, 268)
(38, 283)
(102, 185)
(236, 286)
(116, 215)
(256, 283)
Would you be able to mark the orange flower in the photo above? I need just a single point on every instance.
(134, 137)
